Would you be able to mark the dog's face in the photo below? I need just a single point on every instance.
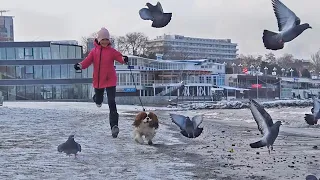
(146, 118)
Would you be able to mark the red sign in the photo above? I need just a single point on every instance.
(245, 70)
(256, 86)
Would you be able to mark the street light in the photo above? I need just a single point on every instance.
(266, 70)
(257, 74)
(274, 70)
(251, 69)
(291, 71)
(240, 66)
(233, 64)
(283, 70)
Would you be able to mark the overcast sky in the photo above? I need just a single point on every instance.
(243, 21)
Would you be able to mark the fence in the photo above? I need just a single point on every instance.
(146, 100)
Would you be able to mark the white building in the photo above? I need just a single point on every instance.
(165, 77)
(195, 48)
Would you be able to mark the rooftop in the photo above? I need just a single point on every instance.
(34, 43)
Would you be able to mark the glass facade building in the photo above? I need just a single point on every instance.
(42, 70)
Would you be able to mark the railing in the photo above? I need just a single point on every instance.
(170, 89)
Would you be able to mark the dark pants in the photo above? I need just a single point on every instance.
(111, 95)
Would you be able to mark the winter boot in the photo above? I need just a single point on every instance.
(113, 119)
(94, 100)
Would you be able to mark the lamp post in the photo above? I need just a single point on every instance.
(251, 69)
(240, 66)
(291, 71)
(266, 70)
(275, 70)
(257, 74)
(233, 64)
(283, 70)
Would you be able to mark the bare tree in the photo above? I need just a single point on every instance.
(270, 58)
(286, 60)
(249, 60)
(132, 43)
(315, 60)
(85, 41)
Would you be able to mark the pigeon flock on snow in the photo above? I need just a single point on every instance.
(289, 28)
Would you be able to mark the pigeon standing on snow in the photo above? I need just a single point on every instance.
(189, 128)
(312, 119)
(288, 24)
(265, 124)
(311, 177)
(70, 146)
(156, 15)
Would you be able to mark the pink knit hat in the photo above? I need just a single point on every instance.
(103, 34)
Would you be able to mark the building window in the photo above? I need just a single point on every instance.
(29, 72)
(46, 53)
(56, 73)
(47, 92)
(72, 72)
(28, 53)
(3, 55)
(46, 71)
(37, 53)
(19, 70)
(71, 52)
(78, 52)
(55, 51)
(11, 93)
(38, 92)
(63, 52)
(19, 53)
(11, 72)
(56, 89)
(30, 92)
(38, 72)
(21, 93)
(64, 71)
(10, 53)
(84, 73)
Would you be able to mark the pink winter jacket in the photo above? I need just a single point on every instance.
(104, 72)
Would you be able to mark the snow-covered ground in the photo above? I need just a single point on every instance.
(241, 104)
(31, 131)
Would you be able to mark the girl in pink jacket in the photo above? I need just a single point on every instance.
(104, 74)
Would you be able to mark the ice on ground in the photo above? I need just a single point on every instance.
(31, 131)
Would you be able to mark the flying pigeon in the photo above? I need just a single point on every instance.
(311, 177)
(156, 15)
(288, 24)
(70, 147)
(265, 124)
(189, 128)
(312, 119)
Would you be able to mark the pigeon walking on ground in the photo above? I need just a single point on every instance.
(70, 147)
(156, 15)
(189, 128)
(265, 124)
(311, 177)
(312, 119)
(288, 24)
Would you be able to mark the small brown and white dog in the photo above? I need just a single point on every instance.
(145, 125)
